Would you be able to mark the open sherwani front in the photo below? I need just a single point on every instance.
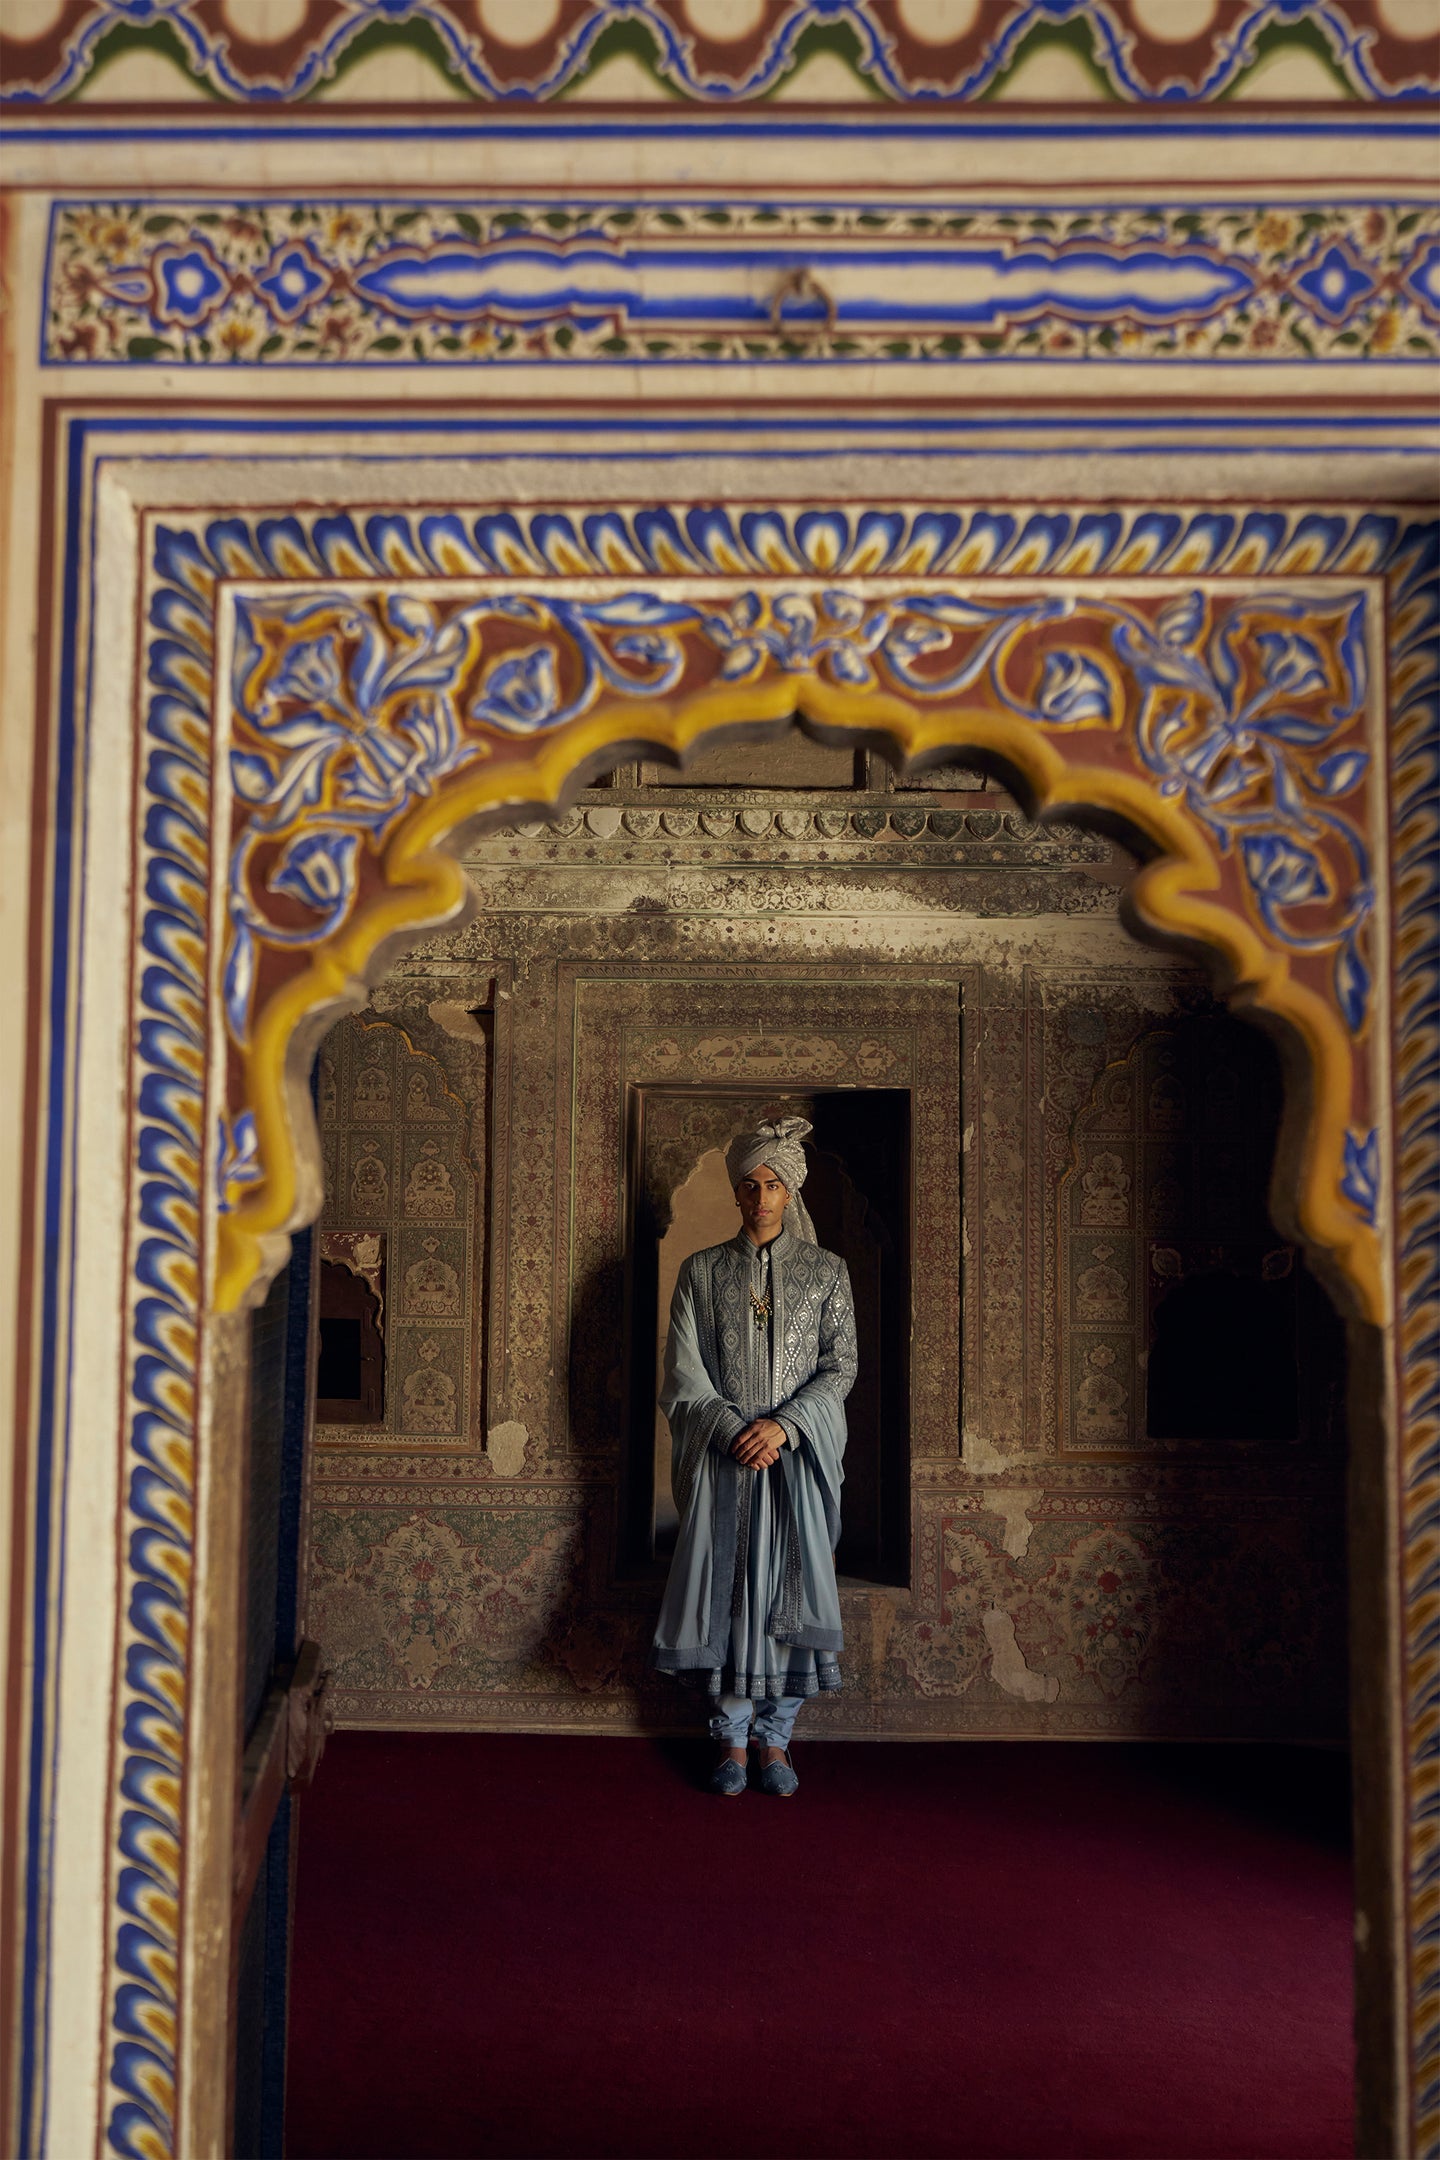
(751, 1607)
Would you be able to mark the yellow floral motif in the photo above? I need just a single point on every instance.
(239, 335)
(344, 226)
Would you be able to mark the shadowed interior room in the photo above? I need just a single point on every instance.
(1094, 1476)
(721, 929)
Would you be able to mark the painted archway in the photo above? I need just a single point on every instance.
(1231, 728)
(336, 699)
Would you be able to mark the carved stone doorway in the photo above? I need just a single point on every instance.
(858, 1193)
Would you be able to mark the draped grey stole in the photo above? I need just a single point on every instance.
(721, 1371)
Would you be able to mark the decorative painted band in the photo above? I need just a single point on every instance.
(463, 281)
(891, 49)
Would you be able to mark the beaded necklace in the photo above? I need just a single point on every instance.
(760, 1307)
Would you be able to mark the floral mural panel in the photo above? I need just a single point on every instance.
(402, 1151)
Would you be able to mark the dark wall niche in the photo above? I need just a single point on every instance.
(858, 1192)
(350, 1372)
(1183, 1315)
(1244, 1345)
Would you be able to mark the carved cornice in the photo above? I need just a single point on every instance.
(751, 824)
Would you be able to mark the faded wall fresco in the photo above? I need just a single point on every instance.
(1069, 1574)
(404, 1156)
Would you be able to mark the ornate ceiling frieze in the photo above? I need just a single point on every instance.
(891, 50)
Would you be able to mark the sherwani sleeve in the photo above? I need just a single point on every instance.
(697, 1413)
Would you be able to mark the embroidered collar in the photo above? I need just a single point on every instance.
(779, 1248)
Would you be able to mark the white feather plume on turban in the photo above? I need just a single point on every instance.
(778, 1145)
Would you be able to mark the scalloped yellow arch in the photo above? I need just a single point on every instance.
(425, 888)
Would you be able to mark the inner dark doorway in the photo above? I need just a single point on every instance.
(1244, 1345)
(858, 1192)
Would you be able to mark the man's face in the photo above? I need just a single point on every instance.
(762, 1200)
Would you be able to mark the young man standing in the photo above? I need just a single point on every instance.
(760, 1357)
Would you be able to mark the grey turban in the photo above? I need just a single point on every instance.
(778, 1145)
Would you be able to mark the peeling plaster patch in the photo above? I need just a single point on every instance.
(505, 1445)
(456, 1018)
(1015, 1506)
(882, 1625)
(984, 1458)
(1007, 1661)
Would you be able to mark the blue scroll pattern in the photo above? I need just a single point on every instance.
(167, 1299)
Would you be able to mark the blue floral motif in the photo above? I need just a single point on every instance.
(291, 282)
(1361, 1180)
(1240, 762)
(377, 728)
(794, 637)
(1340, 774)
(1333, 284)
(319, 868)
(1074, 688)
(311, 670)
(237, 1157)
(189, 286)
(238, 980)
(520, 692)
(627, 644)
(927, 622)
(1282, 873)
(1290, 663)
(1352, 983)
(838, 633)
(1421, 279)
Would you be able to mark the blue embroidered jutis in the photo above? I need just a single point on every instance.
(751, 1606)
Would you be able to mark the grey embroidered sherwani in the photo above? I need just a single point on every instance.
(751, 1606)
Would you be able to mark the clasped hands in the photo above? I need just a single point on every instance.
(760, 1443)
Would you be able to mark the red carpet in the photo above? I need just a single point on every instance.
(526, 1946)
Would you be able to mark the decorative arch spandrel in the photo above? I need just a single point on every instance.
(1229, 725)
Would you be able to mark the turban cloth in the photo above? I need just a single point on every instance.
(779, 1146)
